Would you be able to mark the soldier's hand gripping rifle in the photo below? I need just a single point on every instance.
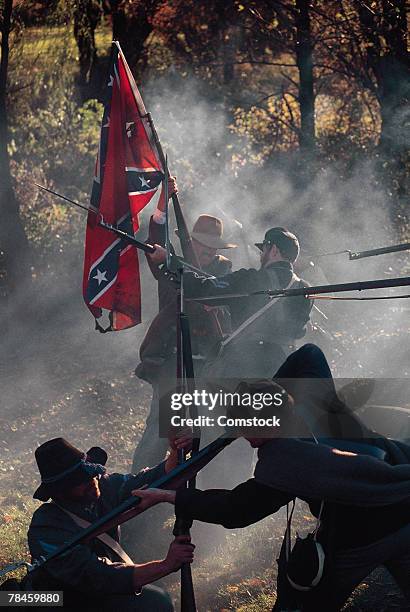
(129, 508)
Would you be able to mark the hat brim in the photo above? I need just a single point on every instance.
(212, 242)
(259, 245)
(87, 471)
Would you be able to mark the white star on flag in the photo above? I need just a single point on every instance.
(144, 183)
(108, 123)
(111, 81)
(100, 276)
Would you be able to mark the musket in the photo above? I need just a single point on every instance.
(353, 255)
(383, 283)
(185, 376)
(143, 246)
(166, 198)
(187, 248)
(127, 509)
(394, 248)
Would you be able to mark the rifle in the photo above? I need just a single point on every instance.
(126, 509)
(353, 255)
(185, 375)
(394, 248)
(143, 246)
(383, 283)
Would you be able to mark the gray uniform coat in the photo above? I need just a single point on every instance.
(88, 570)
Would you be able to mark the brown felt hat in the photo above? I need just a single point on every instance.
(208, 230)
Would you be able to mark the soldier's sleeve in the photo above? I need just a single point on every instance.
(156, 235)
(121, 485)
(299, 313)
(241, 281)
(80, 568)
(156, 232)
(244, 505)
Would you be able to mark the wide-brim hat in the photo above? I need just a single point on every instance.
(62, 466)
(208, 230)
(287, 243)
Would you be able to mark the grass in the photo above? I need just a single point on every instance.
(15, 513)
(52, 40)
(234, 570)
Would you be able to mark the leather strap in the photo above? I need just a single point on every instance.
(256, 314)
(103, 537)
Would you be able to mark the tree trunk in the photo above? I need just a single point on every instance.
(394, 80)
(131, 26)
(387, 59)
(86, 18)
(304, 61)
(13, 240)
(385, 33)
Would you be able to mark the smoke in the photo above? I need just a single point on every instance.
(332, 211)
(49, 347)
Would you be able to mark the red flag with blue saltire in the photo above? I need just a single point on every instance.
(128, 176)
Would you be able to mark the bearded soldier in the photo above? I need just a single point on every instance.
(97, 575)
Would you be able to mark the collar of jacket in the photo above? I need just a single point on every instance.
(284, 265)
(219, 266)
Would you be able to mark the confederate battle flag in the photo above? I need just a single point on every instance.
(128, 176)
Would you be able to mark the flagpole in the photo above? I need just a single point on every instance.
(184, 361)
(166, 197)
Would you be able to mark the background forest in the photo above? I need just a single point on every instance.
(309, 89)
(290, 112)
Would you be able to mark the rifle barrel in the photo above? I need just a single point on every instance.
(144, 246)
(395, 248)
(403, 281)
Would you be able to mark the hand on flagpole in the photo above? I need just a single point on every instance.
(172, 189)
